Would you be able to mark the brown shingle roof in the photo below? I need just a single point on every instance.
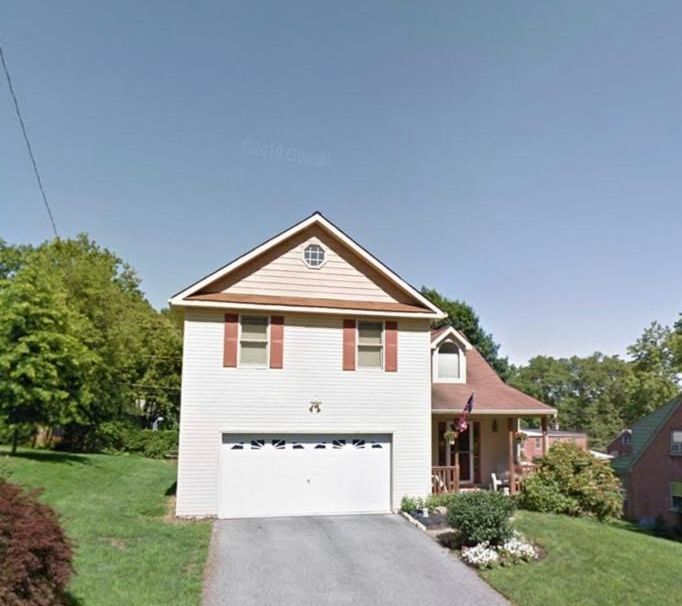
(387, 306)
(492, 393)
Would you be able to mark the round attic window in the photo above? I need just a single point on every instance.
(314, 255)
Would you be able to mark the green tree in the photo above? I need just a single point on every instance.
(43, 363)
(655, 371)
(463, 318)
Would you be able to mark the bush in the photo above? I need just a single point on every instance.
(438, 500)
(572, 481)
(481, 516)
(410, 504)
(35, 555)
(155, 444)
(115, 437)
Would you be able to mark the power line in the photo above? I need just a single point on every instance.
(28, 142)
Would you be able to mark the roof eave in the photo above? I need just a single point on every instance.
(302, 309)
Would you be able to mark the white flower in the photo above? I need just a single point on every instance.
(481, 556)
(517, 549)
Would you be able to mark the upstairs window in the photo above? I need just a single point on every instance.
(676, 495)
(676, 442)
(448, 361)
(313, 256)
(370, 344)
(253, 341)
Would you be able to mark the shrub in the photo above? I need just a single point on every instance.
(115, 437)
(410, 504)
(35, 555)
(155, 444)
(481, 516)
(438, 500)
(572, 481)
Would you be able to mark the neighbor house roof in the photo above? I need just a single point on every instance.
(644, 431)
(200, 293)
(492, 394)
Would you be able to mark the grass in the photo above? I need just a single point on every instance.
(591, 563)
(113, 508)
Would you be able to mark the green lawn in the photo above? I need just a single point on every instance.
(113, 509)
(589, 563)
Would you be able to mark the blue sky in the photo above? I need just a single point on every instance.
(524, 157)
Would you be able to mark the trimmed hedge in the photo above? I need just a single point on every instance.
(572, 481)
(35, 555)
(480, 516)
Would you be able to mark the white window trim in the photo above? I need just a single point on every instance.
(383, 346)
(267, 344)
(314, 243)
(675, 453)
(462, 364)
(672, 506)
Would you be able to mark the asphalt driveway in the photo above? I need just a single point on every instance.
(378, 559)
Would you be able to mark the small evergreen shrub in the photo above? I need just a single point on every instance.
(35, 555)
(481, 516)
(572, 481)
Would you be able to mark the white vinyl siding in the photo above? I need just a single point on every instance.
(217, 400)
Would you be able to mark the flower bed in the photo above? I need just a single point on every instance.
(513, 551)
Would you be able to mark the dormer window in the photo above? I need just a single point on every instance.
(448, 361)
(314, 256)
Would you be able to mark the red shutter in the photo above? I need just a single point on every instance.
(391, 344)
(349, 336)
(230, 341)
(276, 341)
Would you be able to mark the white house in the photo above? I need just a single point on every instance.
(308, 386)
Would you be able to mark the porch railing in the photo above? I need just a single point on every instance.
(444, 478)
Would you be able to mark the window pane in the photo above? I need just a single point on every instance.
(448, 365)
(677, 436)
(369, 333)
(254, 328)
(253, 354)
(677, 489)
(369, 357)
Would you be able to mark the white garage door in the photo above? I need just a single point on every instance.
(288, 475)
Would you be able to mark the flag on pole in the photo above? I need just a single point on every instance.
(462, 424)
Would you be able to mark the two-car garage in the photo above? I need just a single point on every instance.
(264, 475)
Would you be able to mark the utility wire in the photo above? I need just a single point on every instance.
(28, 142)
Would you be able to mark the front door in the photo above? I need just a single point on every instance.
(465, 448)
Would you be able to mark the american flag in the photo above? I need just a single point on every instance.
(462, 424)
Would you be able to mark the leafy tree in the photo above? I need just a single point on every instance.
(463, 318)
(44, 364)
(588, 392)
(655, 372)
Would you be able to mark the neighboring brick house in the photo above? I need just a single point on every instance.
(621, 445)
(532, 446)
(652, 473)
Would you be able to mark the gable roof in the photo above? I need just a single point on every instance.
(193, 295)
(643, 433)
(492, 394)
(438, 335)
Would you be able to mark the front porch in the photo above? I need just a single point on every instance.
(487, 454)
